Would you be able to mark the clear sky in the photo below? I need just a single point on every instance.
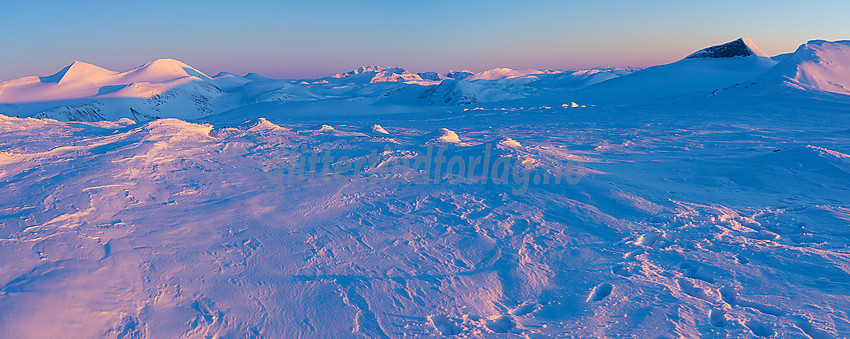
(289, 39)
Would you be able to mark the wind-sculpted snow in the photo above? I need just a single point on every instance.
(727, 219)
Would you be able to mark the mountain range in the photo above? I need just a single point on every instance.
(171, 88)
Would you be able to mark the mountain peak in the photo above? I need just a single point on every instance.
(359, 70)
(165, 69)
(165, 63)
(76, 70)
(459, 75)
(742, 47)
(395, 74)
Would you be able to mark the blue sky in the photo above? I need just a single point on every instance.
(288, 39)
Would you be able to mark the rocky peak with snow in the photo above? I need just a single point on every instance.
(359, 70)
(395, 74)
(429, 75)
(742, 47)
(459, 75)
(373, 74)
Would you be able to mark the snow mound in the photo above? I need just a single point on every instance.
(378, 129)
(447, 136)
(816, 65)
(263, 124)
(176, 129)
(125, 121)
(739, 48)
(508, 142)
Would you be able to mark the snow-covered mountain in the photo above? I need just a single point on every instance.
(373, 74)
(81, 80)
(170, 88)
(816, 69)
(81, 91)
(703, 71)
(738, 68)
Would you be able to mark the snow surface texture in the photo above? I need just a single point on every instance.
(699, 216)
